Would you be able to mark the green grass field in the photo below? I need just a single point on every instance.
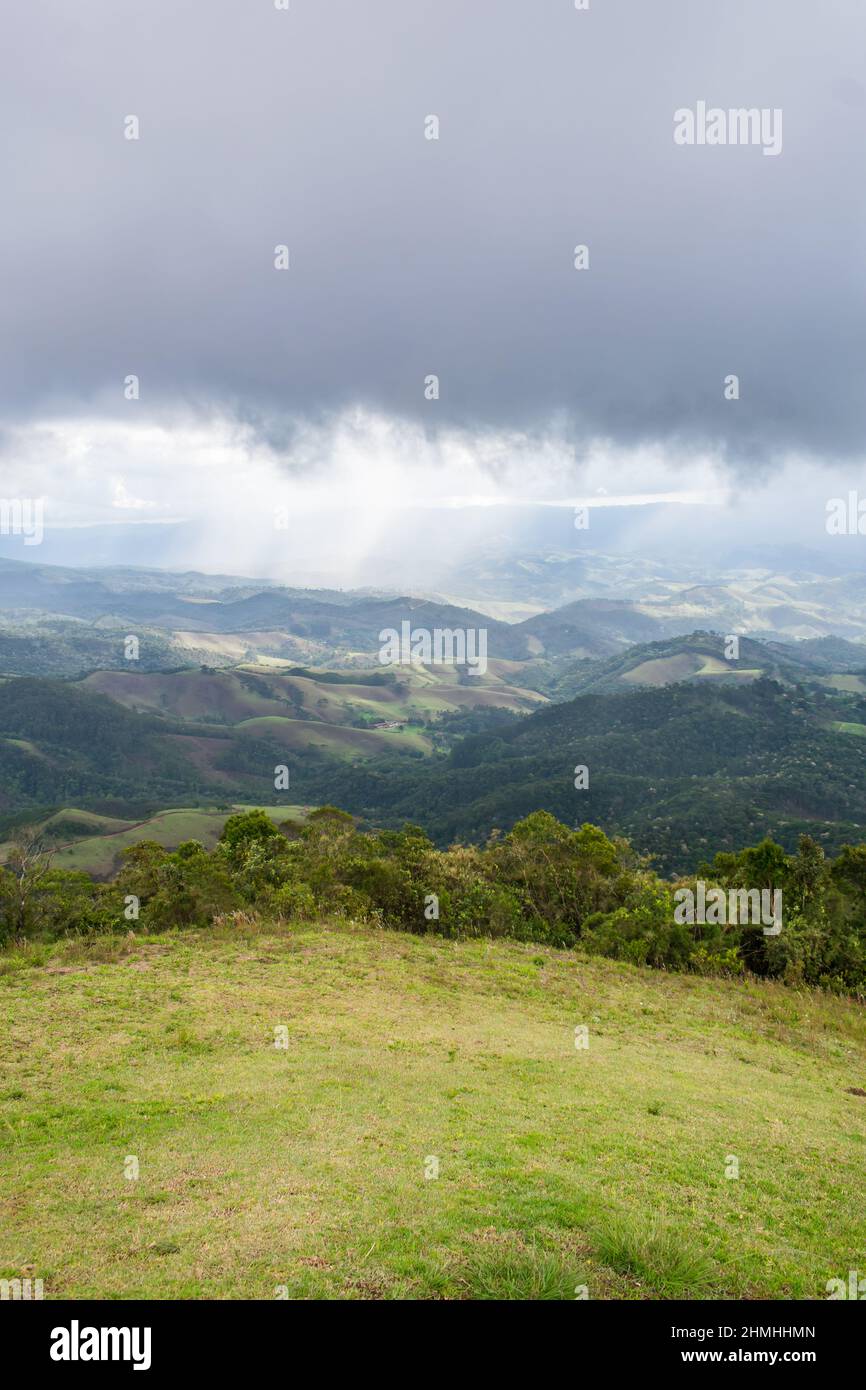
(852, 685)
(665, 670)
(262, 1167)
(335, 739)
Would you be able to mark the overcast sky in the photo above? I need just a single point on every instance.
(411, 257)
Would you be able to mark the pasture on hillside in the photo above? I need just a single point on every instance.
(336, 1111)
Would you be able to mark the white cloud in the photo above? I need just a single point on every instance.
(345, 488)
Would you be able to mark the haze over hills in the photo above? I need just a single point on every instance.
(74, 619)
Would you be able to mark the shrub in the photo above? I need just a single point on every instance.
(541, 882)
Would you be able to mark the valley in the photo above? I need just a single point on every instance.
(686, 747)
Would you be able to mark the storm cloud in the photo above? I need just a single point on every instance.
(454, 256)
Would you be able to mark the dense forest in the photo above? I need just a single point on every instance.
(61, 744)
(681, 771)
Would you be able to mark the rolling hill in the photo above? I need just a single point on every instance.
(58, 621)
(93, 844)
(683, 770)
(640, 696)
(234, 622)
(685, 750)
(125, 743)
(701, 656)
(67, 744)
(365, 699)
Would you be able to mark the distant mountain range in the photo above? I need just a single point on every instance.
(192, 617)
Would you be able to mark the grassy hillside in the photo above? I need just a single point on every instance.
(95, 844)
(305, 1167)
(701, 656)
(346, 744)
(250, 692)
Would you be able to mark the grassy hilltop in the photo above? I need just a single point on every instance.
(304, 1167)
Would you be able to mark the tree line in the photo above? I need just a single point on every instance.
(542, 881)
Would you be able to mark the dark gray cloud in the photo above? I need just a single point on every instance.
(454, 256)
